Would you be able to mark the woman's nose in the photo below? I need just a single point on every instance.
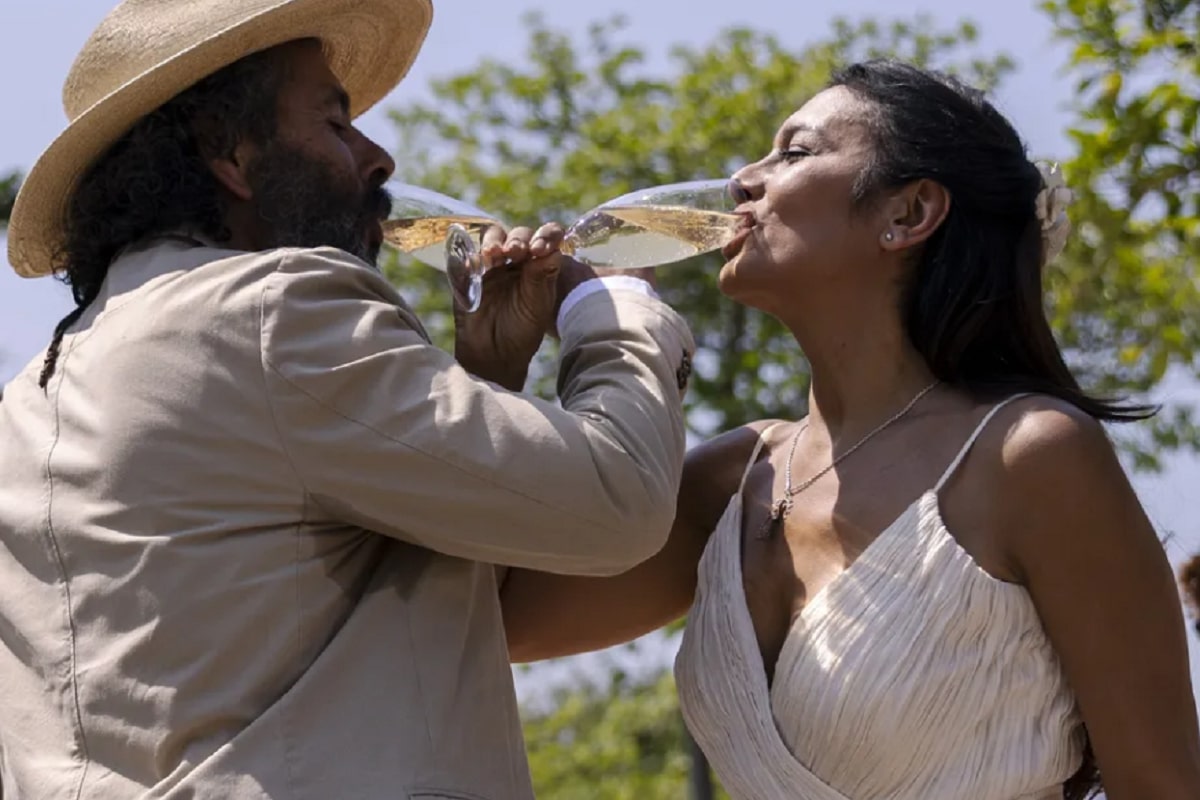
(738, 192)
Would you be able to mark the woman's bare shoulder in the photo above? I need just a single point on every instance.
(714, 468)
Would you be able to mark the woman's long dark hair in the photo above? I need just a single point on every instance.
(975, 305)
(155, 179)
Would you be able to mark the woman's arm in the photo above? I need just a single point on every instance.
(1105, 592)
(548, 615)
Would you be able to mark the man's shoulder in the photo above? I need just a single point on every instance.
(285, 260)
(303, 269)
(238, 277)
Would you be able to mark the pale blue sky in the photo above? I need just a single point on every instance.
(40, 39)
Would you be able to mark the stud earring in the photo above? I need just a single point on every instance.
(889, 236)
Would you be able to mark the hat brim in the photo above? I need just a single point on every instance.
(370, 45)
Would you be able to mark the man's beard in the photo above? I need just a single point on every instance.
(302, 203)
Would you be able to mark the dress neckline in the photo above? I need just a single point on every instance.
(927, 509)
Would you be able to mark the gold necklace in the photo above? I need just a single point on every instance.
(783, 506)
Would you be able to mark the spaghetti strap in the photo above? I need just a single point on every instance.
(966, 448)
(758, 446)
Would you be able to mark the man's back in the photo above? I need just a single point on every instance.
(185, 612)
(248, 513)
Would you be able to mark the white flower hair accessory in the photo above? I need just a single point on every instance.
(1051, 208)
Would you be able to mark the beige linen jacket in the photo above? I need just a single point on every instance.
(247, 533)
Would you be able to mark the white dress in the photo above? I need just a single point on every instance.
(914, 675)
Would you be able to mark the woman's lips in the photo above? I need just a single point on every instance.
(744, 229)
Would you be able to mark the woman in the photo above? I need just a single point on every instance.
(940, 583)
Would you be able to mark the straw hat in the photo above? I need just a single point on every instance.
(145, 52)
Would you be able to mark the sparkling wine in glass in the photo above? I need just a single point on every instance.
(443, 233)
(651, 227)
(656, 226)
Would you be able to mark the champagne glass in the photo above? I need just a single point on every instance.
(655, 227)
(443, 233)
(650, 227)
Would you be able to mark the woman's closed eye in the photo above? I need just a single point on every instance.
(792, 154)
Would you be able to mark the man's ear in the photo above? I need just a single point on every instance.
(231, 171)
(915, 213)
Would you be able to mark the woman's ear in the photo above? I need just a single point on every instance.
(914, 214)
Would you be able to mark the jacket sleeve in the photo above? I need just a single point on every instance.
(385, 430)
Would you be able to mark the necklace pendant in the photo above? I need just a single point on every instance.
(779, 509)
(774, 522)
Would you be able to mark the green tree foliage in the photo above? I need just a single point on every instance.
(8, 195)
(1127, 294)
(623, 741)
(578, 123)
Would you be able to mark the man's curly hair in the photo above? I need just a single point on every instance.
(155, 178)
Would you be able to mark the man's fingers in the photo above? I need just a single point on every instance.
(494, 236)
(516, 247)
(552, 232)
(520, 244)
(491, 245)
(521, 233)
(546, 240)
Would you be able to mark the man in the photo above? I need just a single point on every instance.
(247, 512)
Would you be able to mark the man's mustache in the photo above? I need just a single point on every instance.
(377, 204)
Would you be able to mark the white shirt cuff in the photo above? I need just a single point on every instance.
(608, 283)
